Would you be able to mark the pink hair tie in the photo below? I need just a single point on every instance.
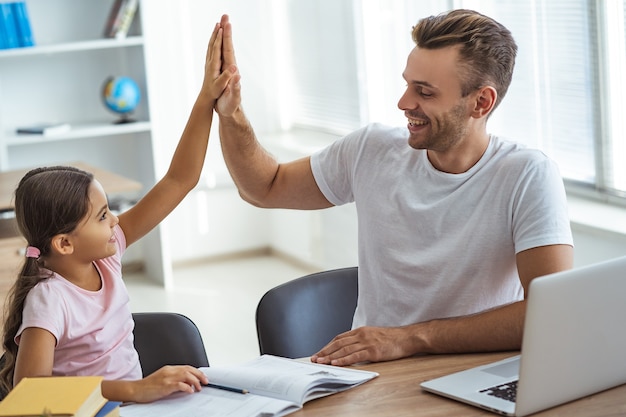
(32, 252)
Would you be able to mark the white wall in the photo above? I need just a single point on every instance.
(593, 245)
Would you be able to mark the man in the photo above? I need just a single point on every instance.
(454, 223)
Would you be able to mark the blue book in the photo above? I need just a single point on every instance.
(8, 25)
(3, 36)
(22, 24)
(110, 409)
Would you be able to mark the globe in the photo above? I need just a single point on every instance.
(121, 95)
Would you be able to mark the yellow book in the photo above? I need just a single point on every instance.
(72, 396)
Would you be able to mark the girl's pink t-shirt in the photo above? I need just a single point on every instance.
(93, 329)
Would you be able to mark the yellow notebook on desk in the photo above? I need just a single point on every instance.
(74, 396)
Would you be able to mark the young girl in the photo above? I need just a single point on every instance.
(68, 312)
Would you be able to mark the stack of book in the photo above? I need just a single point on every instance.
(71, 396)
(15, 29)
(120, 18)
(45, 129)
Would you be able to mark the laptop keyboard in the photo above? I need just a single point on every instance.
(506, 391)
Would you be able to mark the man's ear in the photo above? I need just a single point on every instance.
(62, 245)
(484, 102)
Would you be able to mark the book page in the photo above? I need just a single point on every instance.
(211, 402)
(288, 379)
(277, 387)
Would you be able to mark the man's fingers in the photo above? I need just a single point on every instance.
(228, 51)
(227, 77)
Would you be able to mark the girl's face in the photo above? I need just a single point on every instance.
(93, 237)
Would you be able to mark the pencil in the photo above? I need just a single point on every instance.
(225, 388)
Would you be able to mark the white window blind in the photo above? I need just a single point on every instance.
(613, 141)
(567, 95)
(384, 41)
(321, 55)
(551, 103)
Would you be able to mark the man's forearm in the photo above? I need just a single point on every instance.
(494, 330)
(252, 168)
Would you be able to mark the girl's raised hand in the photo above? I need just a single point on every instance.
(217, 76)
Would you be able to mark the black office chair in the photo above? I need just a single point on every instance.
(296, 319)
(163, 338)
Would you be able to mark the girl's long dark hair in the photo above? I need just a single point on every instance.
(48, 201)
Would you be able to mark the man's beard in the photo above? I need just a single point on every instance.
(448, 130)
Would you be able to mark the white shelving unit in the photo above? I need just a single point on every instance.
(60, 80)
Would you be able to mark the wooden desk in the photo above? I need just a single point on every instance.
(396, 392)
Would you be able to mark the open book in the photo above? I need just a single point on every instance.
(276, 387)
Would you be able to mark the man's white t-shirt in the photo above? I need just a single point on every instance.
(93, 329)
(434, 244)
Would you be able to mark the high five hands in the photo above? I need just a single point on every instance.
(230, 99)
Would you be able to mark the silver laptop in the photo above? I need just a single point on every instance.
(574, 345)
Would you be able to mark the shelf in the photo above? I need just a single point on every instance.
(60, 79)
(79, 131)
(72, 47)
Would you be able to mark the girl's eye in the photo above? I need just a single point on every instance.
(104, 215)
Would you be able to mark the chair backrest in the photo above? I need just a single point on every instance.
(164, 338)
(296, 319)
